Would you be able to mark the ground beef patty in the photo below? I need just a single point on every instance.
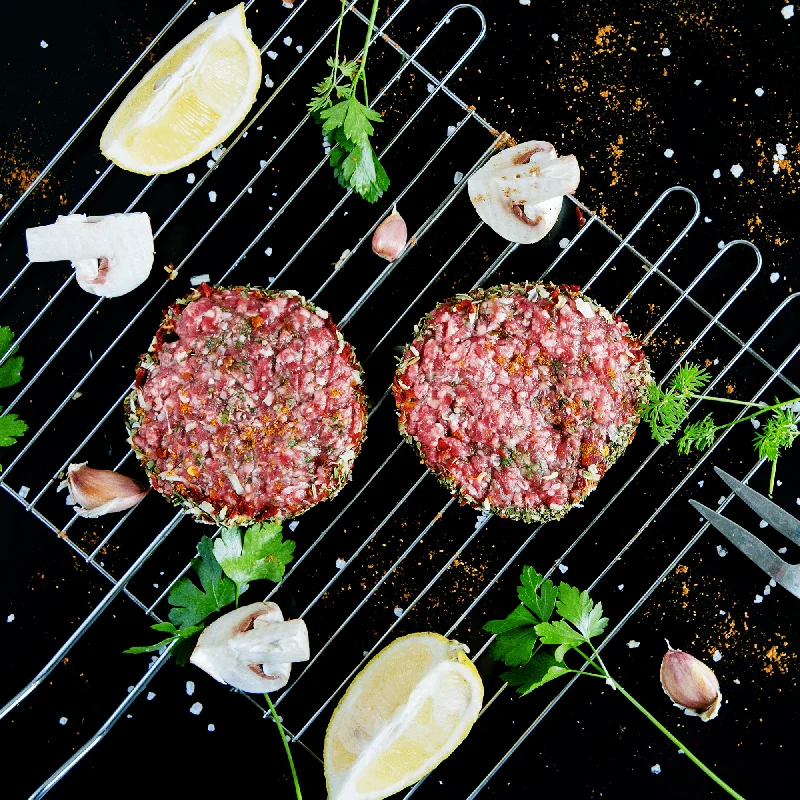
(520, 397)
(247, 406)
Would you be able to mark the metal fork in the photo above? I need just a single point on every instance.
(786, 575)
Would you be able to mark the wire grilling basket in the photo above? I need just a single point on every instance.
(392, 554)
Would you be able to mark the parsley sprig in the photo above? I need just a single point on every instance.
(347, 122)
(666, 411)
(551, 623)
(11, 426)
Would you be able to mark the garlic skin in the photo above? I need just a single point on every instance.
(390, 237)
(690, 684)
(95, 492)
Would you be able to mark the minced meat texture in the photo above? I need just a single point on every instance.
(520, 397)
(248, 406)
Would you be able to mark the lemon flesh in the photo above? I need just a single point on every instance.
(402, 715)
(190, 101)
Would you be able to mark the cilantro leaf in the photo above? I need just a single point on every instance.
(538, 595)
(541, 669)
(190, 604)
(11, 428)
(10, 371)
(260, 554)
(175, 633)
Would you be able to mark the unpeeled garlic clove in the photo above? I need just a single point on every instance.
(390, 237)
(95, 492)
(690, 684)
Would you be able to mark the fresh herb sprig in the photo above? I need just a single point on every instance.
(11, 426)
(347, 122)
(551, 623)
(666, 411)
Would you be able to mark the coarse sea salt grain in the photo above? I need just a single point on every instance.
(272, 54)
(340, 563)
(10, 618)
(721, 551)
(196, 708)
(190, 178)
(772, 582)
(196, 280)
(656, 769)
(23, 492)
(299, 48)
(217, 152)
(287, 40)
(451, 129)
(554, 37)
(211, 727)
(43, 44)
(210, 163)
(697, 83)
(398, 612)
(666, 52)
(720, 244)
(268, 251)
(151, 695)
(430, 87)
(458, 177)
(562, 568)
(774, 277)
(767, 590)
(759, 92)
(621, 587)
(563, 243)
(268, 82)
(669, 152)
(524, 2)
(716, 173)
(755, 423)
(721, 500)
(787, 12)
(62, 721)
(706, 219)
(737, 170)
(780, 149)
(716, 656)
(758, 599)
(293, 524)
(190, 688)
(633, 644)
(763, 523)
(212, 196)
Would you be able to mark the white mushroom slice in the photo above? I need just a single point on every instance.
(519, 192)
(235, 648)
(112, 255)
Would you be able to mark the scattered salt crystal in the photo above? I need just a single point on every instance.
(129, 689)
(779, 483)
(43, 44)
(706, 219)
(10, 618)
(780, 149)
(562, 568)
(190, 178)
(776, 168)
(621, 587)
(780, 550)
(431, 88)
(262, 163)
(212, 196)
(721, 551)
(211, 727)
(700, 483)
(272, 54)
(669, 152)
(398, 612)
(716, 362)
(458, 177)
(268, 82)
(299, 48)
(293, 524)
(716, 656)
(23, 492)
(772, 583)
(755, 423)
(721, 500)
(722, 613)
(633, 644)
(155, 586)
(62, 721)
(287, 40)
(697, 83)
(758, 599)
(451, 129)
(210, 163)
(759, 92)
(260, 128)
(716, 173)
(767, 590)
(786, 11)
(190, 688)
(656, 769)
(563, 243)
(217, 152)
(268, 251)
(554, 37)
(737, 170)
(340, 563)
(249, 190)
(244, 134)
(151, 695)
(773, 278)
(666, 52)
(763, 523)
(737, 681)
(524, 2)
(196, 708)
(720, 244)
(212, 14)
(196, 280)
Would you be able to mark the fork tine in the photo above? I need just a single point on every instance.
(781, 520)
(752, 547)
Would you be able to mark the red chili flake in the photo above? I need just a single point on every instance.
(581, 218)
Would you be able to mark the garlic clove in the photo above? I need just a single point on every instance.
(519, 192)
(94, 492)
(390, 237)
(112, 255)
(690, 684)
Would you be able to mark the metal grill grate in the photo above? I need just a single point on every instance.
(392, 502)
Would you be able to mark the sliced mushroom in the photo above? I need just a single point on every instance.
(112, 255)
(519, 192)
(252, 648)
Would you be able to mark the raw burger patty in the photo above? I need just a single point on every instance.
(519, 397)
(247, 406)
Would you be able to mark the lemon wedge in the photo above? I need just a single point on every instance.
(190, 101)
(402, 715)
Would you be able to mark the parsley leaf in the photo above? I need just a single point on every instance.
(190, 604)
(11, 428)
(260, 554)
(10, 371)
(175, 633)
(539, 595)
(542, 668)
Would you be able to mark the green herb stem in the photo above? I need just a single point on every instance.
(692, 757)
(285, 745)
(360, 75)
(716, 399)
(783, 404)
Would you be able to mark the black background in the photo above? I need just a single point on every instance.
(602, 90)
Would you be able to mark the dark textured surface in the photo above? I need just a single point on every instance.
(602, 90)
